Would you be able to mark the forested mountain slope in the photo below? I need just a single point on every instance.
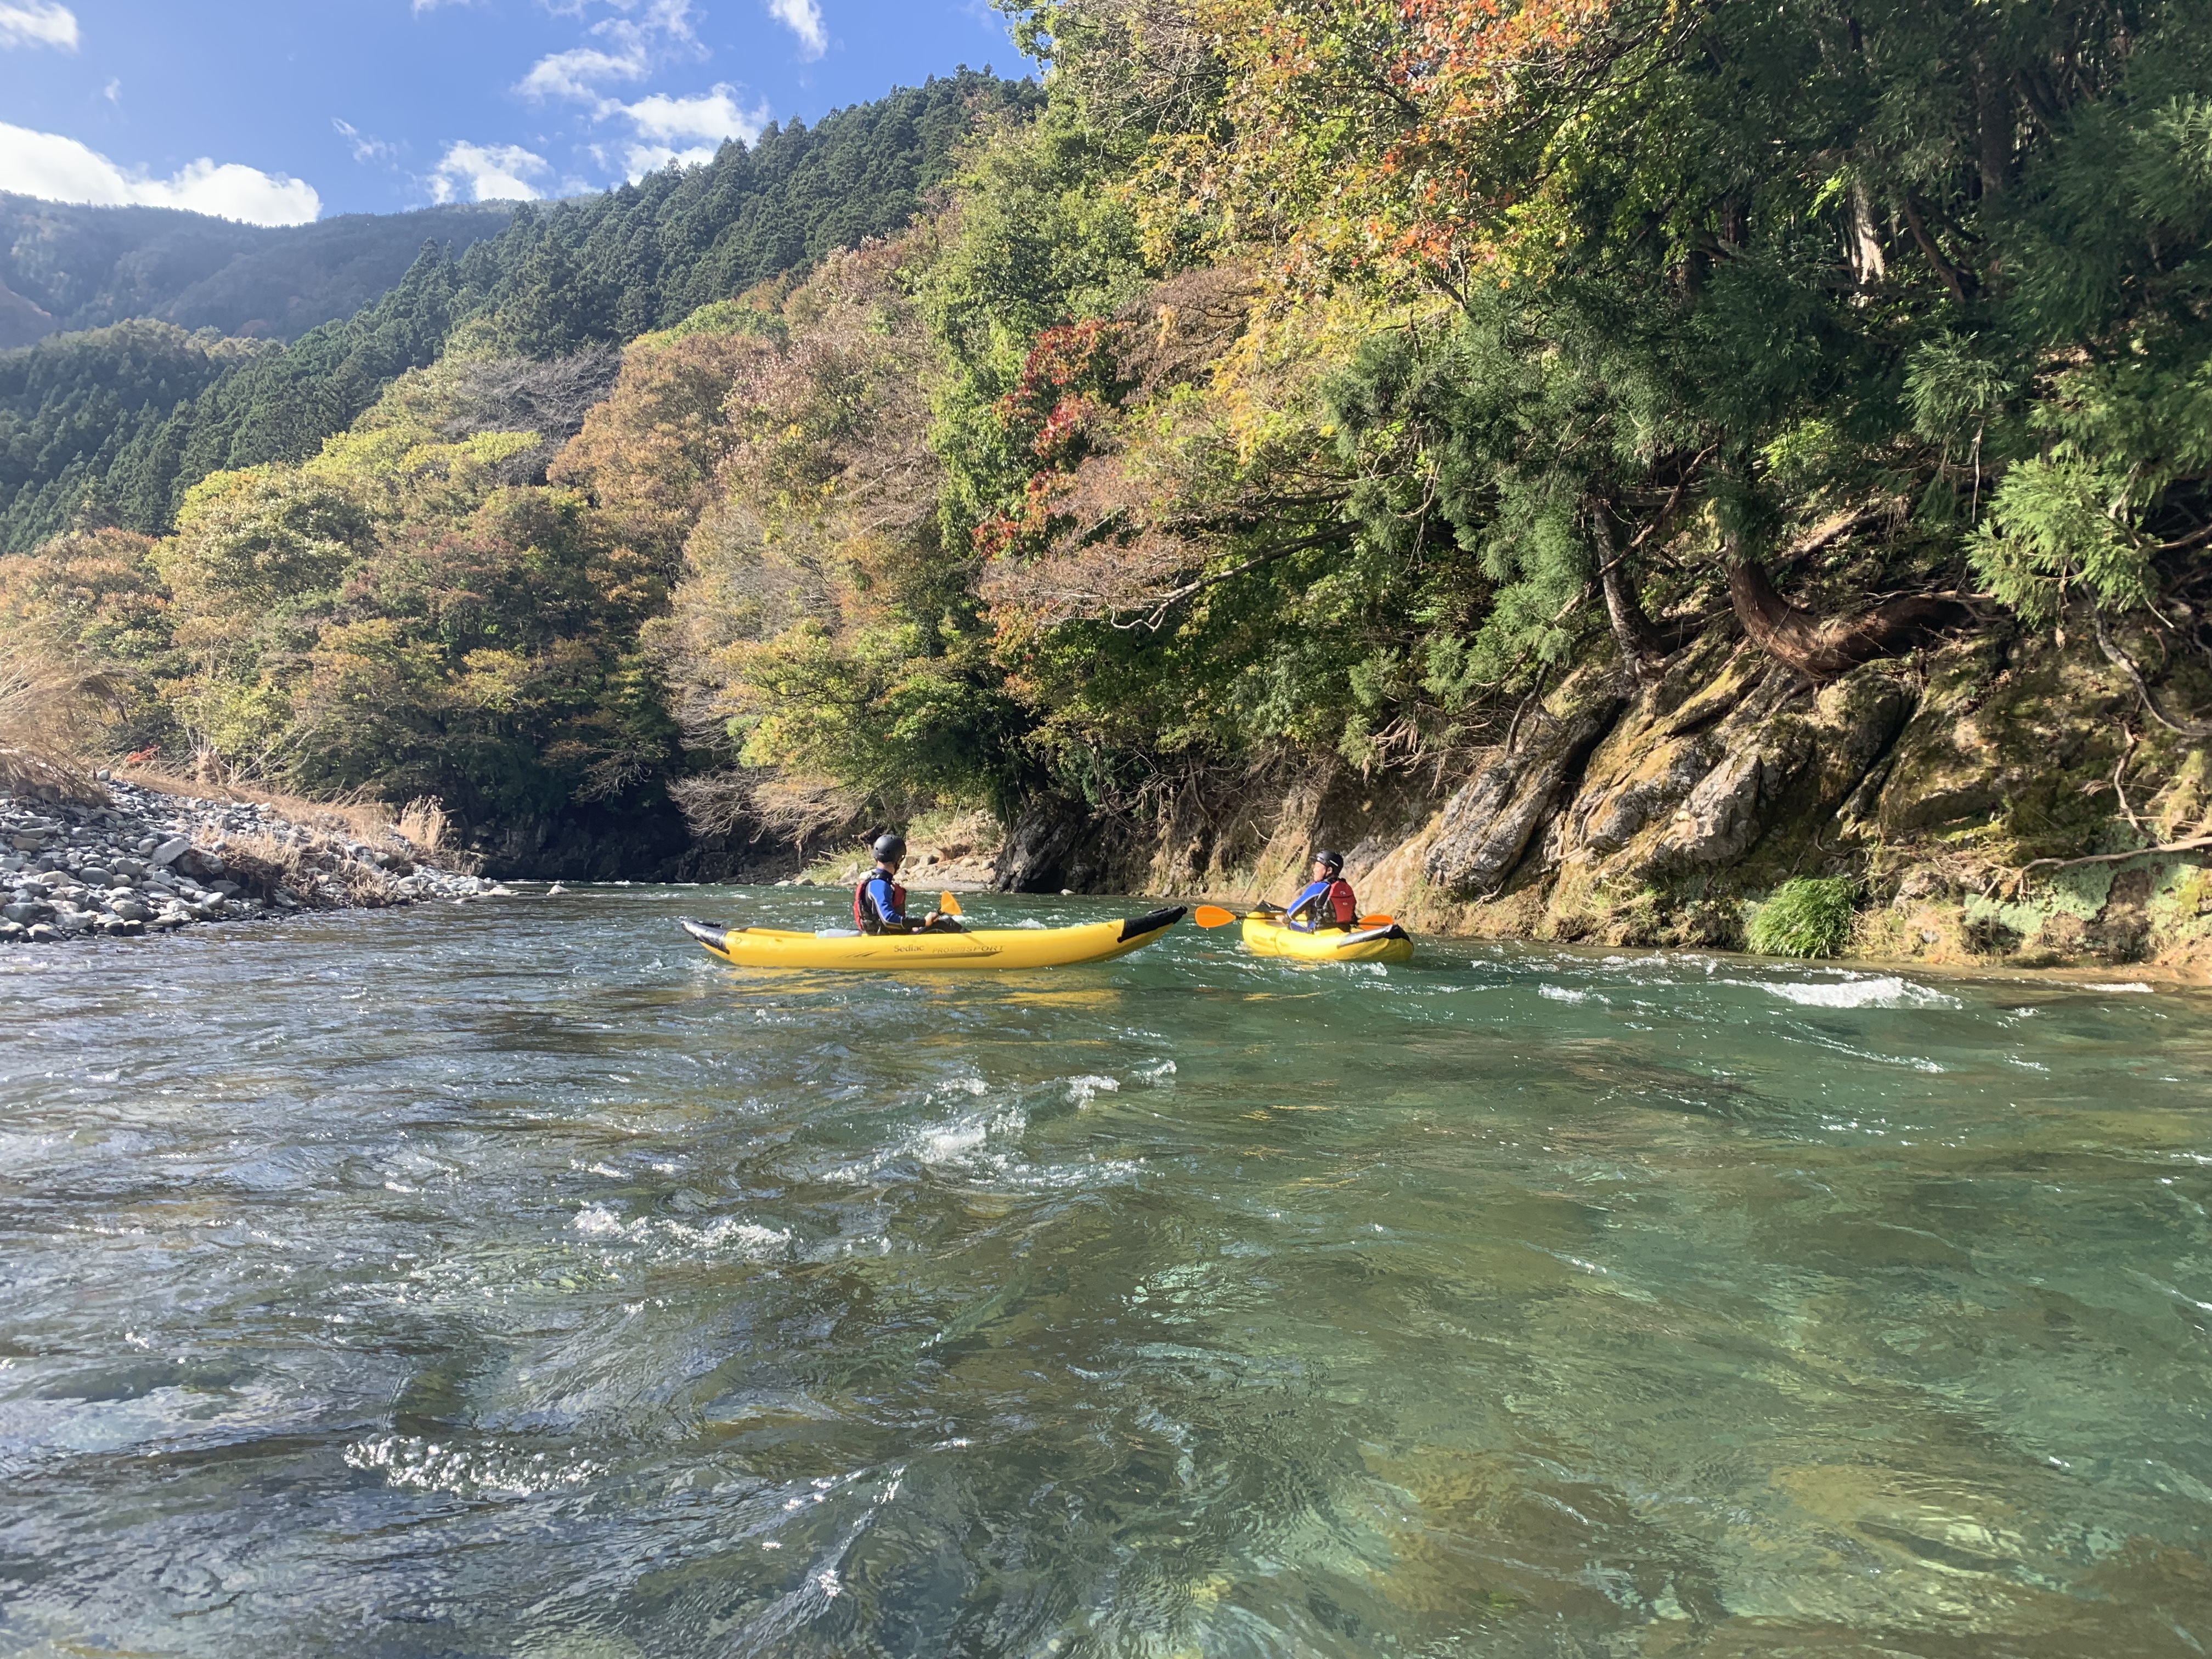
(73, 267)
(95, 429)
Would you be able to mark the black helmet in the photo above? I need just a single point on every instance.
(1334, 860)
(890, 847)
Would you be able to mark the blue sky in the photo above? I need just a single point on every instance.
(281, 111)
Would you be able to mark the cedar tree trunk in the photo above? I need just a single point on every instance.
(1641, 653)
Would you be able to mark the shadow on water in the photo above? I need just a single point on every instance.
(514, 1279)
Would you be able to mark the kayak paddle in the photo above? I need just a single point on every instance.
(948, 904)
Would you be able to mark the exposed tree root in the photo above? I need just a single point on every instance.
(2193, 844)
(1828, 648)
(1641, 654)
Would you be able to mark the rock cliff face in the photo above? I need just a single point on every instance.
(2001, 799)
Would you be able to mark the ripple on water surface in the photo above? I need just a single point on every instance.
(517, 1280)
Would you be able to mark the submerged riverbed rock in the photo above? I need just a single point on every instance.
(142, 861)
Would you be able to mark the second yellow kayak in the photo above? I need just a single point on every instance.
(985, 947)
(1266, 937)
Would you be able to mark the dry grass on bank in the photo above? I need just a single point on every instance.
(51, 714)
(262, 862)
(314, 860)
(55, 717)
(421, 823)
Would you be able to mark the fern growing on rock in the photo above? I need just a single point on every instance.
(1807, 916)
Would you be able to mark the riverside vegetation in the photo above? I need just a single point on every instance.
(1630, 474)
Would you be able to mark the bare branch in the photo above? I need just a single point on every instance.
(2194, 844)
(2125, 664)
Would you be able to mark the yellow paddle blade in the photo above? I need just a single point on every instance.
(1211, 915)
(949, 903)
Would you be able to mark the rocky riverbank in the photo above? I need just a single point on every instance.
(143, 862)
(2001, 801)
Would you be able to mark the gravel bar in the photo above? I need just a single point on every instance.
(145, 862)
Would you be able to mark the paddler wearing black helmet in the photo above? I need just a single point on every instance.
(1327, 900)
(880, 903)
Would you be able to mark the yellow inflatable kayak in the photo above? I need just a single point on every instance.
(1266, 936)
(985, 947)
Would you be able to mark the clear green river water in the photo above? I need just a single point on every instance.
(515, 1280)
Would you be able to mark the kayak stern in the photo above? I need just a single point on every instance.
(1136, 928)
(708, 935)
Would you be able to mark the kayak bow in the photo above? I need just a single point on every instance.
(984, 947)
(1265, 936)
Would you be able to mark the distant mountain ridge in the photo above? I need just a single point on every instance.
(65, 267)
(112, 424)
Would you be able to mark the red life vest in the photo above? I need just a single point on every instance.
(1343, 903)
(861, 919)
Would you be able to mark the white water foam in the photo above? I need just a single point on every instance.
(951, 1143)
(2130, 985)
(477, 1471)
(966, 1140)
(725, 1234)
(1886, 991)
(1564, 994)
(988, 1144)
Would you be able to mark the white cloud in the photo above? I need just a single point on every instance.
(667, 121)
(576, 73)
(804, 19)
(59, 169)
(713, 115)
(626, 53)
(669, 17)
(489, 172)
(641, 159)
(639, 37)
(37, 23)
(365, 148)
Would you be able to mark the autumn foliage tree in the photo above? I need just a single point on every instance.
(823, 629)
(1743, 232)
